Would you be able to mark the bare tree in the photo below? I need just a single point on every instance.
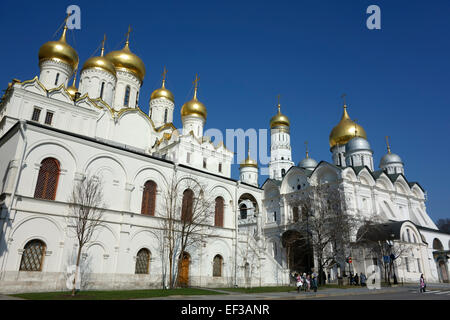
(85, 213)
(185, 217)
(325, 225)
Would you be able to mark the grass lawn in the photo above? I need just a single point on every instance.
(114, 295)
(259, 289)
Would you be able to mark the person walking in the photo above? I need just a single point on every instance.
(299, 282)
(308, 282)
(423, 285)
(356, 279)
(314, 281)
(363, 279)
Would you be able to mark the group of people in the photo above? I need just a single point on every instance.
(306, 281)
(358, 280)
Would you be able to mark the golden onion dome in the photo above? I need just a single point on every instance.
(279, 120)
(162, 93)
(248, 162)
(73, 90)
(194, 107)
(126, 60)
(59, 51)
(346, 130)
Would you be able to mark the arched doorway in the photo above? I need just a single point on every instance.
(443, 271)
(299, 253)
(183, 270)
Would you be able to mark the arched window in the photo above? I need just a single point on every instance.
(408, 235)
(243, 211)
(142, 261)
(437, 245)
(102, 89)
(165, 116)
(304, 213)
(149, 198)
(186, 210)
(33, 256)
(126, 100)
(295, 213)
(47, 181)
(218, 217)
(283, 172)
(217, 266)
(56, 79)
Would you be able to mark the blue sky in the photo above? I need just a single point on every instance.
(246, 52)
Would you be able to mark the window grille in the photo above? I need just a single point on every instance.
(142, 262)
(33, 256)
(47, 181)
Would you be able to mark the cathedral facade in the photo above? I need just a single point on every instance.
(54, 134)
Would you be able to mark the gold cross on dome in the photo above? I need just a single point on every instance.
(103, 45)
(343, 97)
(195, 82)
(387, 144)
(164, 73)
(128, 33)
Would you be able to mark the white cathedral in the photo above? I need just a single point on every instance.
(53, 134)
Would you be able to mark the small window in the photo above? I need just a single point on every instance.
(49, 118)
(126, 100)
(243, 211)
(204, 163)
(36, 114)
(56, 79)
(296, 215)
(283, 172)
(188, 157)
(102, 89)
(165, 116)
(274, 216)
(407, 264)
(220, 167)
(137, 98)
(418, 265)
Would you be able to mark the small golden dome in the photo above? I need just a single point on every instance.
(163, 92)
(127, 61)
(59, 51)
(194, 107)
(279, 120)
(73, 90)
(346, 130)
(249, 162)
(100, 63)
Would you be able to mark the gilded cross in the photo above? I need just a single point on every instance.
(128, 33)
(103, 44)
(343, 97)
(387, 143)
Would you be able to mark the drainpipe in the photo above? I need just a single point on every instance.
(14, 191)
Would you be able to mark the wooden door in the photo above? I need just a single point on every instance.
(183, 272)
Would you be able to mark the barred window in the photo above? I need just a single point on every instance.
(186, 210)
(49, 118)
(217, 266)
(47, 181)
(33, 256)
(218, 218)
(36, 114)
(142, 261)
(149, 198)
